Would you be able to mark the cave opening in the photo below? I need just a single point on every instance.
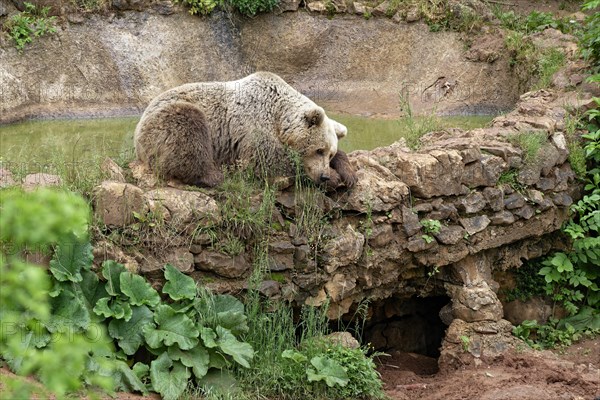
(409, 330)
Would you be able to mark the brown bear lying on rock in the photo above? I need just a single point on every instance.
(188, 133)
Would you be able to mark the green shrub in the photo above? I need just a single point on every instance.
(248, 8)
(590, 39)
(43, 331)
(548, 64)
(530, 143)
(29, 24)
(572, 278)
(202, 7)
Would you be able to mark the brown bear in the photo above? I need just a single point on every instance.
(188, 133)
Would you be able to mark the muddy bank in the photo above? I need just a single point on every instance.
(114, 64)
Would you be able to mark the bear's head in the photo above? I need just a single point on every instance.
(315, 138)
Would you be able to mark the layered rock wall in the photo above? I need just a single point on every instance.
(494, 207)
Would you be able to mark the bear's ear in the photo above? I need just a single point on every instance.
(340, 130)
(314, 117)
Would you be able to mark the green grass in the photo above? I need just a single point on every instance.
(530, 143)
(548, 64)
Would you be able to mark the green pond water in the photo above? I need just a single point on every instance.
(90, 140)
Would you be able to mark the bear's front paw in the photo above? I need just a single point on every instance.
(348, 178)
(334, 182)
(344, 169)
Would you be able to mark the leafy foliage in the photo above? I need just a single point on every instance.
(29, 24)
(247, 8)
(590, 39)
(535, 21)
(178, 334)
(530, 143)
(430, 226)
(573, 278)
(48, 330)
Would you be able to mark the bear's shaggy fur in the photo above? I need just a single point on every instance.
(188, 133)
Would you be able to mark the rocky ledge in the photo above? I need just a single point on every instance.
(495, 203)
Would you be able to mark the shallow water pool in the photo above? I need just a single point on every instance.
(83, 140)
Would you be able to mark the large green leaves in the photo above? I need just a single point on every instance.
(91, 289)
(70, 257)
(168, 378)
(113, 307)
(172, 328)
(138, 290)
(68, 311)
(230, 314)
(241, 352)
(129, 334)
(327, 370)
(178, 286)
(111, 270)
(197, 358)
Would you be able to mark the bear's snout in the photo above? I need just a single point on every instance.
(324, 178)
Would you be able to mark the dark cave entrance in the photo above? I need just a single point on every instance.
(407, 325)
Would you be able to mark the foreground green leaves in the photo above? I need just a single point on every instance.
(54, 337)
(179, 334)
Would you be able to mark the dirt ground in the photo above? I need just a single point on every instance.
(569, 374)
(572, 373)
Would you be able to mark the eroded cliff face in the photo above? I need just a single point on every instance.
(117, 62)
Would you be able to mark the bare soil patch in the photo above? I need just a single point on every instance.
(572, 373)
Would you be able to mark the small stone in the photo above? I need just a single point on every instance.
(222, 264)
(381, 235)
(340, 287)
(281, 261)
(397, 18)
(6, 178)
(545, 184)
(561, 145)
(302, 254)
(546, 204)
(117, 202)
(413, 15)
(112, 170)
(316, 6)
(75, 18)
(470, 155)
(417, 244)
(473, 203)
(282, 247)
(422, 207)
(502, 218)
(494, 197)
(287, 5)
(475, 224)
(181, 259)
(344, 339)
(360, 8)
(382, 9)
(41, 180)
(196, 248)
(525, 212)
(536, 196)
(444, 212)
(450, 234)
(562, 199)
(269, 288)
(344, 249)
(410, 222)
(515, 200)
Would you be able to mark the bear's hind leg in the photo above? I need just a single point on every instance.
(188, 154)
